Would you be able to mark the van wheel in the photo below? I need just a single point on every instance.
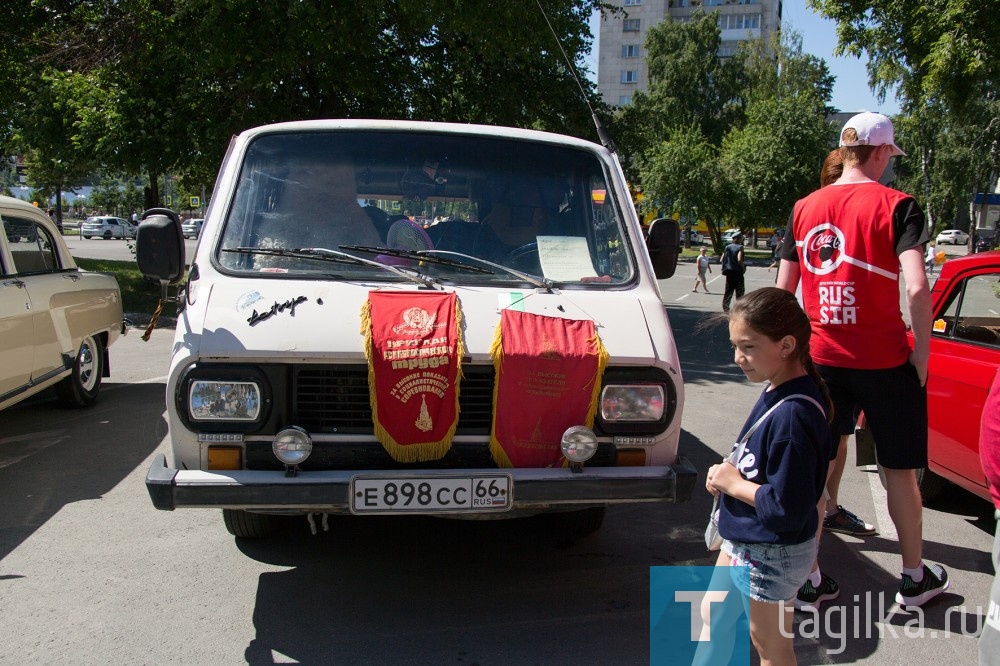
(80, 389)
(930, 484)
(246, 525)
(582, 522)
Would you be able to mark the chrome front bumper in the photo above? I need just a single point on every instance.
(327, 491)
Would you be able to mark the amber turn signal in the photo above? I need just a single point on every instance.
(225, 457)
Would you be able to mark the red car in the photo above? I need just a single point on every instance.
(965, 354)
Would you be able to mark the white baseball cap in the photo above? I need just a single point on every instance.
(873, 129)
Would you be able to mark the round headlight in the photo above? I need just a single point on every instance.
(579, 444)
(292, 445)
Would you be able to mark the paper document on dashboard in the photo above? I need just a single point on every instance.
(565, 258)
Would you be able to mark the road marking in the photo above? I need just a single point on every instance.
(883, 522)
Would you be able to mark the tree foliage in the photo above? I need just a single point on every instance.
(930, 48)
(943, 58)
(774, 160)
(151, 86)
(689, 86)
(744, 137)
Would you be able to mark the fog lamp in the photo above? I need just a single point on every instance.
(292, 446)
(579, 444)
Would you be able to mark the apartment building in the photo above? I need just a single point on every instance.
(621, 63)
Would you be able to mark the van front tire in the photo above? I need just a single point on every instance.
(246, 525)
(582, 522)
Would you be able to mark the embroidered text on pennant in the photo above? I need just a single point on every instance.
(414, 351)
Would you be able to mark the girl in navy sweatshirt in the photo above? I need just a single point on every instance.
(767, 516)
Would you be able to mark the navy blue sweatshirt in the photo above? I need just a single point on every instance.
(787, 456)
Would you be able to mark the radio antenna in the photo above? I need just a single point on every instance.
(602, 134)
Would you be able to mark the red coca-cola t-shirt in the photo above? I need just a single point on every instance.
(848, 238)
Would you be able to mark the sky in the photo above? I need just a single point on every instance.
(819, 38)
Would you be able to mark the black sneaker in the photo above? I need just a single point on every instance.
(845, 522)
(917, 594)
(810, 597)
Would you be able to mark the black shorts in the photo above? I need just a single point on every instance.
(895, 407)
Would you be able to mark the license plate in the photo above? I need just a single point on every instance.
(437, 494)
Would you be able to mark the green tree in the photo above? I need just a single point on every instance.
(161, 85)
(689, 85)
(943, 58)
(762, 113)
(775, 159)
(50, 177)
(930, 48)
(681, 175)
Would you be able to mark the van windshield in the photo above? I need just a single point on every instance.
(458, 208)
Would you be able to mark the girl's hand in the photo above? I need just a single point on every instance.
(721, 477)
(709, 477)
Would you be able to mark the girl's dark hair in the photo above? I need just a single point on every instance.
(775, 313)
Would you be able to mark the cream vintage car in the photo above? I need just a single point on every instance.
(56, 321)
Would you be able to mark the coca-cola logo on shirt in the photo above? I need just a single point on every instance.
(823, 249)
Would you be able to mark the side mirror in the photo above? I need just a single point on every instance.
(664, 245)
(159, 246)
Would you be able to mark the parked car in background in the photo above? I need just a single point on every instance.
(965, 355)
(952, 237)
(696, 237)
(192, 228)
(727, 235)
(56, 321)
(107, 227)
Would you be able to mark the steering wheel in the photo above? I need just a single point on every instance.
(525, 258)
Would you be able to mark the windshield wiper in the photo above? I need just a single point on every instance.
(417, 255)
(541, 282)
(324, 254)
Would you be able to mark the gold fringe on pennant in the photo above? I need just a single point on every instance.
(496, 353)
(602, 364)
(421, 451)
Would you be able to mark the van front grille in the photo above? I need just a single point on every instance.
(335, 399)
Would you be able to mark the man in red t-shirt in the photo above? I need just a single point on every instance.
(848, 243)
(989, 454)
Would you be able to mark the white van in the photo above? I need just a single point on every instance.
(333, 355)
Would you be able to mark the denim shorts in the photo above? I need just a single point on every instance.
(770, 572)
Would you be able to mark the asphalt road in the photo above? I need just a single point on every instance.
(90, 573)
(115, 249)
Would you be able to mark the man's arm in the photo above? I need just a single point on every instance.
(788, 275)
(919, 306)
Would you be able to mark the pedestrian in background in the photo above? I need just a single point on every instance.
(850, 242)
(733, 267)
(767, 514)
(703, 266)
(930, 258)
(989, 455)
